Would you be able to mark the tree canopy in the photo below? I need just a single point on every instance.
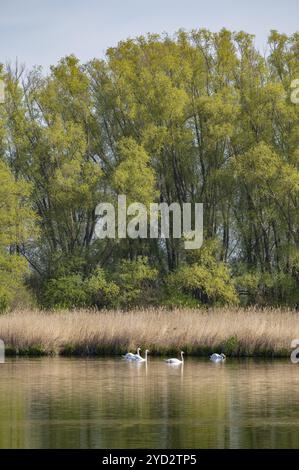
(198, 117)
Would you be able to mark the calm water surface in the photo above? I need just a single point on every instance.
(108, 403)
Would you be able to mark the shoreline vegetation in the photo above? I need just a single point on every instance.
(196, 117)
(237, 332)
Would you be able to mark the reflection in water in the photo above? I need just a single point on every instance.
(110, 403)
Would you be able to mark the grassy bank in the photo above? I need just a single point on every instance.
(236, 332)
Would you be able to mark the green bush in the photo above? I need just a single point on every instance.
(12, 272)
(4, 302)
(265, 288)
(179, 300)
(100, 291)
(205, 280)
(73, 291)
(65, 292)
(134, 278)
(124, 288)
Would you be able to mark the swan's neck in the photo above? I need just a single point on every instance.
(145, 357)
(182, 356)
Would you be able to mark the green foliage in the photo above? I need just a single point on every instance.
(101, 292)
(17, 224)
(231, 346)
(134, 279)
(264, 288)
(197, 117)
(126, 289)
(12, 275)
(65, 292)
(206, 280)
(72, 291)
(178, 299)
(133, 175)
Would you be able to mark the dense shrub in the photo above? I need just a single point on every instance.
(204, 281)
(97, 290)
(134, 278)
(265, 288)
(73, 291)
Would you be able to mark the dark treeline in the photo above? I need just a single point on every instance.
(201, 117)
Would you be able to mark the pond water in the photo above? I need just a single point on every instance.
(109, 403)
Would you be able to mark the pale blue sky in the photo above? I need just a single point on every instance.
(42, 31)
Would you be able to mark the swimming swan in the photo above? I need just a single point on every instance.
(132, 357)
(173, 360)
(218, 357)
(142, 359)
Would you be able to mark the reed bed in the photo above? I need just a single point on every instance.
(236, 332)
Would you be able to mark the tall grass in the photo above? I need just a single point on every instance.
(236, 332)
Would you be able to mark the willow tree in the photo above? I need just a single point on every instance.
(197, 117)
(16, 222)
(51, 128)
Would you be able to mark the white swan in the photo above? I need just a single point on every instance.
(218, 357)
(173, 360)
(132, 357)
(142, 359)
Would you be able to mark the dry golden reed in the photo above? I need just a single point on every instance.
(239, 332)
